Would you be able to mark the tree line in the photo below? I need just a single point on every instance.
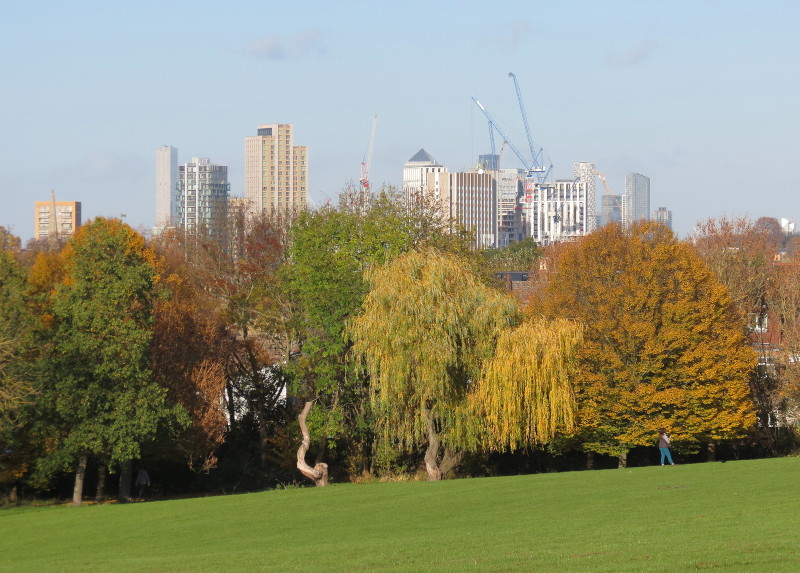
(368, 340)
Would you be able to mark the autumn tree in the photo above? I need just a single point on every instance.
(741, 255)
(99, 389)
(450, 367)
(784, 302)
(662, 346)
(233, 274)
(190, 351)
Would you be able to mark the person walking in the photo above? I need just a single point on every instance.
(142, 481)
(663, 446)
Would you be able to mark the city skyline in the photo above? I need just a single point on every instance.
(690, 94)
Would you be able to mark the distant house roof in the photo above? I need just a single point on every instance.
(422, 156)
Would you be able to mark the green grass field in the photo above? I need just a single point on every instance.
(737, 516)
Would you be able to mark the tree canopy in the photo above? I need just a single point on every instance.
(450, 367)
(662, 344)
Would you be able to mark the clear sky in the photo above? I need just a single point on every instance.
(699, 95)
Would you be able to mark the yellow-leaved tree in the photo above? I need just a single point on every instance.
(452, 369)
(662, 344)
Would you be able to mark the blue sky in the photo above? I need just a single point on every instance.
(700, 96)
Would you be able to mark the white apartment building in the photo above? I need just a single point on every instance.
(202, 196)
(276, 170)
(557, 211)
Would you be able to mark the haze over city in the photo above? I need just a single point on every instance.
(696, 95)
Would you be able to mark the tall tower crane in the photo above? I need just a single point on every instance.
(493, 126)
(536, 164)
(365, 165)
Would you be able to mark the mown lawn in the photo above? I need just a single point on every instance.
(736, 516)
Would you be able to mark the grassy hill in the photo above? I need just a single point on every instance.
(736, 516)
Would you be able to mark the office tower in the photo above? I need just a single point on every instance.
(636, 204)
(611, 210)
(470, 199)
(166, 187)
(202, 196)
(663, 216)
(587, 173)
(490, 162)
(415, 177)
(510, 190)
(557, 211)
(56, 219)
(275, 170)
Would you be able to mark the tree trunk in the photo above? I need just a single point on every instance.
(622, 460)
(125, 479)
(711, 450)
(432, 453)
(450, 461)
(80, 474)
(435, 467)
(102, 470)
(319, 473)
(231, 405)
(262, 434)
(589, 460)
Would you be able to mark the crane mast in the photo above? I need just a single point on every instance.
(536, 165)
(365, 165)
(493, 125)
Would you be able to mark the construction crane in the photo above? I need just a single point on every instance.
(603, 180)
(536, 165)
(365, 165)
(493, 126)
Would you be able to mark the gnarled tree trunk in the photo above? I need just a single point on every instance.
(622, 460)
(435, 467)
(319, 473)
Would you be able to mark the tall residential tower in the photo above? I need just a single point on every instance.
(166, 187)
(636, 203)
(202, 196)
(275, 170)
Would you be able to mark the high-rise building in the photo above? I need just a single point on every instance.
(557, 211)
(202, 196)
(470, 199)
(275, 170)
(166, 187)
(636, 204)
(587, 173)
(611, 210)
(510, 189)
(56, 219)
(415, 176)
(661, 215)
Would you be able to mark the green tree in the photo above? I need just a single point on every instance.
(662, 346)
(99, 389)
(16, 389)
(330, 249)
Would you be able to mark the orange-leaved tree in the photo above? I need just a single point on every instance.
(662, 346)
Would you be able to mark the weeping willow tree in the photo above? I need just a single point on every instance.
(428, 330)
(525, 394)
